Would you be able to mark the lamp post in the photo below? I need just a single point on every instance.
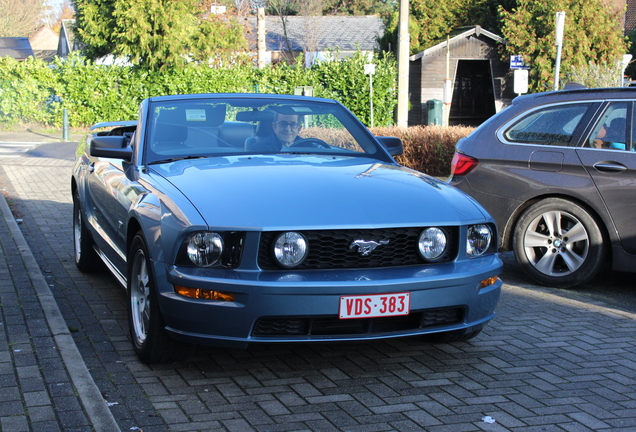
(560, 25)
(403, 65)
(369, 69)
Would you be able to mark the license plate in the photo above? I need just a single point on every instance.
(377, 305)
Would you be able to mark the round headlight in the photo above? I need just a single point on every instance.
(290, 249)
(432, 243)
(479, 238)
(205, 249)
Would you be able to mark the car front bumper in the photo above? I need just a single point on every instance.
(289, 306)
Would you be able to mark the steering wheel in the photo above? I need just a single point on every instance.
(310, 142)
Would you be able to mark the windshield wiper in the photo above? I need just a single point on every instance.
(175, 159)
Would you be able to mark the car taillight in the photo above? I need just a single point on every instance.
(462, 164)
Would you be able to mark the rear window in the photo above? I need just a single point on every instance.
(554, 125)
(611, 130)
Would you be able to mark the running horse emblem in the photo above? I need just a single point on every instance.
(365, 247)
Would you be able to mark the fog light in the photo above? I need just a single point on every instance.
(432, 243)
(290, 249)
(203, 294)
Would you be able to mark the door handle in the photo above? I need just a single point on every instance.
(609, 167)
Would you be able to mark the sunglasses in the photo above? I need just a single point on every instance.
(284, 124)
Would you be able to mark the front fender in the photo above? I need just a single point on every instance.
(164, 216)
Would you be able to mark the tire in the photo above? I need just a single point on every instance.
(86, 259)
(559, 244)
(147, 329)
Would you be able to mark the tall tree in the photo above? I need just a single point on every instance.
(592, 36)
(19, 18)
(430, 21)
(155, 34)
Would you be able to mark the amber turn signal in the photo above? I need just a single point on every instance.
(488, 282)
(203, 294)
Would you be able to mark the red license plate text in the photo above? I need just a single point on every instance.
(377, 305)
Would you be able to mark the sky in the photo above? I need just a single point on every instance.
(55, 4)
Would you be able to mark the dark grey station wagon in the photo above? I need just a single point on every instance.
(557, 171)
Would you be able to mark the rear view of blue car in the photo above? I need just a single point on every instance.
(236, 219)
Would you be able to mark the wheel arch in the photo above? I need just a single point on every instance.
(133, 228)
(73, 186)
(513, 220)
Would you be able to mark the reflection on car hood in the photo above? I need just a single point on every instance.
(315, 192)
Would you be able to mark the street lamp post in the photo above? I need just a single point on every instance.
(560, 24)
(403, 65)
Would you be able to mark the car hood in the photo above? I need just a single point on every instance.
(315, 192)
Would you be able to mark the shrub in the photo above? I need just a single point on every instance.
(36, 92)
(428, 149)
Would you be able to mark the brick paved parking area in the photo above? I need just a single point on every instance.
(546, 363)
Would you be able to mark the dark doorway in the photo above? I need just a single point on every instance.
(473, 95)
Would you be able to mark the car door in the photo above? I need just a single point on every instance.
(609, 156)
(110, 192)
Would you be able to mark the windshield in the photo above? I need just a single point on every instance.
(191, 128)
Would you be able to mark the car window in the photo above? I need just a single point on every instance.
(610, 132)
(204, 128)
(554, 125)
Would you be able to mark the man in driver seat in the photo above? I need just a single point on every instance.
(286, 129)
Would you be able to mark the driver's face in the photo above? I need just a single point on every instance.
(286, 127)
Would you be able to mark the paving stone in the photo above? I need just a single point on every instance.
(544, 364)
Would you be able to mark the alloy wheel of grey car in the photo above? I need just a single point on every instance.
(150, 340)
(559, 244)
(86, 259)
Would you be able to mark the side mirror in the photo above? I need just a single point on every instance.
(392, 144)
(115, 147)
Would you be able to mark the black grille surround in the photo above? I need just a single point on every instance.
(333, 326)
(331, 249)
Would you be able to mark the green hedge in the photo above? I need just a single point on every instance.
(36, 92)
(428, 149)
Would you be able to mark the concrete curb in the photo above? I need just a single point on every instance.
(96, 408)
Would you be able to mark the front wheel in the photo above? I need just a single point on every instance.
(150, 340)
(559, 244)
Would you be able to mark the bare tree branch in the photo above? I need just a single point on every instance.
(19, 18)
(283, 8)
(310, 11)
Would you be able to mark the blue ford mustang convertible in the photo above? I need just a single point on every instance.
(241, 218)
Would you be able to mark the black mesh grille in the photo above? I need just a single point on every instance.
(332, 249)
(332, 326)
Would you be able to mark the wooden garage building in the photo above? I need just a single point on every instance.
(481, 81)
